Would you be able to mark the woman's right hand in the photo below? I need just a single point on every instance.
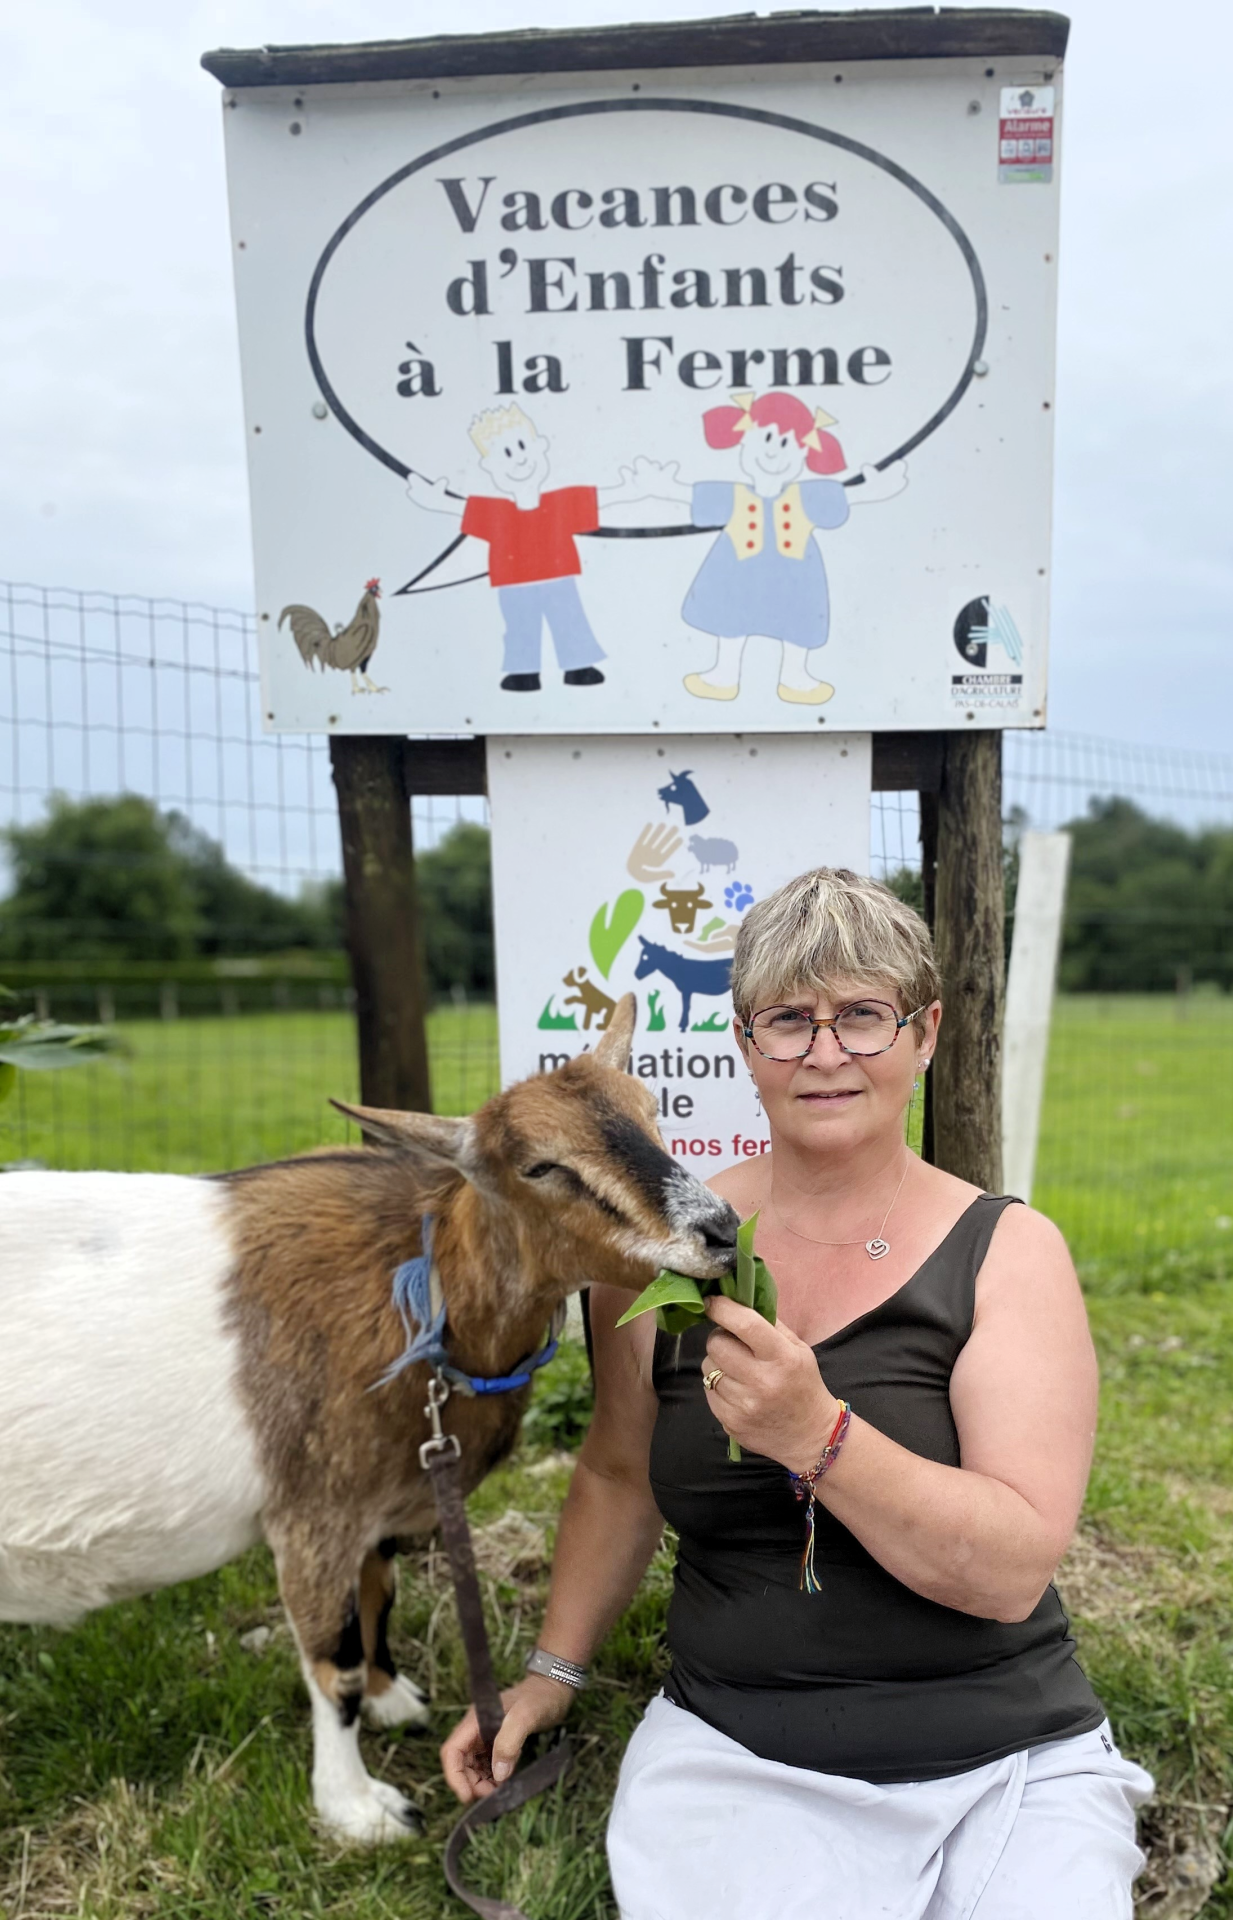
(533, 1705)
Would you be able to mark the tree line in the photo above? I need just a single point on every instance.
(120, 879)
(1150, 904)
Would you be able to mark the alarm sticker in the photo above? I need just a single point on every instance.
(1025, 135)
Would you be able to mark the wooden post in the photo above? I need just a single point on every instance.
(970, 940)
(928, 803)
(383, 935)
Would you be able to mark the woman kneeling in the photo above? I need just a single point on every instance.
(874, 1705)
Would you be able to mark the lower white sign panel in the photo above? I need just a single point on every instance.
(628, 864)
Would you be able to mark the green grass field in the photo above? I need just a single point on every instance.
(1136, 1155)
(152, 1769)
(1136, 1151)
(197, 1095)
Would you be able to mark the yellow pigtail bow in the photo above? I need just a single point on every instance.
(744, 401)
(821, 420)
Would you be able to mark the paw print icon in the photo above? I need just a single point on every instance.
(738, 896)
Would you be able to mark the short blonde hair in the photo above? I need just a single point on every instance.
(827, 926)
(494, 421)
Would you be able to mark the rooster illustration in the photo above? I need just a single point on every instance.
(348, 649)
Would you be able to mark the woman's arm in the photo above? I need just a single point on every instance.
(985, 1537)
(609, 1529)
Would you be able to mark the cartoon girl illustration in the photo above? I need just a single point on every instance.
(764, 574)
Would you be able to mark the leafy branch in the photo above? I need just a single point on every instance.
(31, 1045)
(678, 1300)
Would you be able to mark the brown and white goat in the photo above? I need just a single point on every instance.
(188, 1365)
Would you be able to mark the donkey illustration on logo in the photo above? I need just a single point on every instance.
(691, 976)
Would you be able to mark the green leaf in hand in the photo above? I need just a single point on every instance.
(677, 1300)
(750, 1285)
(766, 1294)
(669, 1293)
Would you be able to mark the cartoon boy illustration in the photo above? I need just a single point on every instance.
(764, 574)
(532, 557)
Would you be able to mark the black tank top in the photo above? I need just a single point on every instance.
(865, 1678)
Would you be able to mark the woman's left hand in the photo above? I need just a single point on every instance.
(771, 1397)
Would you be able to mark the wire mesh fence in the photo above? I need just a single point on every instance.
(1136, 1148)
(238, 1029)
(233, 995)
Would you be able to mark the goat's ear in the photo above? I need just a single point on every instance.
(432, 1135)
(613, 1050)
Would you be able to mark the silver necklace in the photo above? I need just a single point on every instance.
(877, 1248)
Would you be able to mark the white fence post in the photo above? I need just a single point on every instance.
(1041, 896)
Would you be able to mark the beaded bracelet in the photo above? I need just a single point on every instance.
(805, 1487)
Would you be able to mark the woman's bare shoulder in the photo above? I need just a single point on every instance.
(1023, 1234)
(1028, 1266)
(745, 1186)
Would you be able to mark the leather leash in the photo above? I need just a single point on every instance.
(441, 1459)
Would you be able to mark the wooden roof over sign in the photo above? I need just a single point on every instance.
(735, 40)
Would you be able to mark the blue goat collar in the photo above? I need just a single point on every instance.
(420, 1302)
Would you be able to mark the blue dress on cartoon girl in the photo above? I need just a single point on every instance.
(764, 573)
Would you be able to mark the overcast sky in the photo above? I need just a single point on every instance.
(123, 457)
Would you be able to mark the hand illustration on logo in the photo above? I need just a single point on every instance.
(653, 848)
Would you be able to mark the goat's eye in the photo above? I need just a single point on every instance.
(538, 1171)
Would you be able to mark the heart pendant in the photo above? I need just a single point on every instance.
(877, 1249)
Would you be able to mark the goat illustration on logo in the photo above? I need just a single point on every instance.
(681, 792)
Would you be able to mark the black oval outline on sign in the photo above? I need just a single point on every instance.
(761, 117)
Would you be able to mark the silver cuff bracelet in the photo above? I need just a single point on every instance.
(553, 1669)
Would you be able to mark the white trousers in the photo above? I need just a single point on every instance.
(701, 1829)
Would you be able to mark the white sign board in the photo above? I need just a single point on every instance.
(696, 400)
(624, 865)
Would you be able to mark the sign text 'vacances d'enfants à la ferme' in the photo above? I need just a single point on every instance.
(701, 400)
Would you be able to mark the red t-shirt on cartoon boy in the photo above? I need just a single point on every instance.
(533, 543)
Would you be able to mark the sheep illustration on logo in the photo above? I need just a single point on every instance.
(713, 853)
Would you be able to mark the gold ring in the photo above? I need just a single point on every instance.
(712, 1379)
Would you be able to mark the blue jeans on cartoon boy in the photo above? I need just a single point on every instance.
(526, 608)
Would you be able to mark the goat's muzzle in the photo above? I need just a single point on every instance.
(710, 1224)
